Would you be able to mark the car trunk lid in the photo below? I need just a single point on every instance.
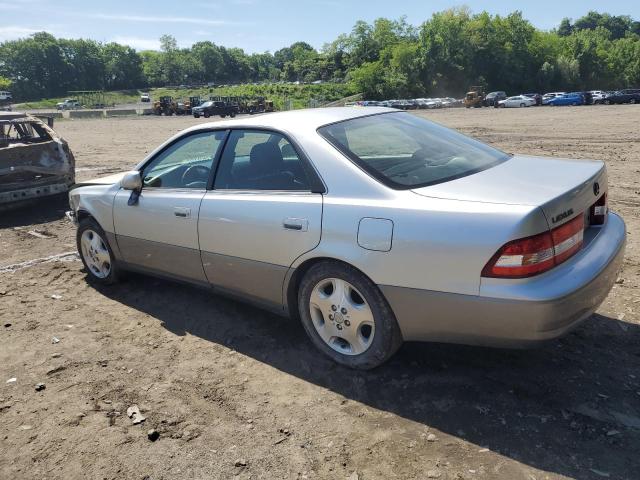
(561, 187)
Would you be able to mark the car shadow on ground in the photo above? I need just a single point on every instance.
(34, 212)
(571, 407)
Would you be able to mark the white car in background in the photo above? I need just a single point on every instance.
(145, 98)
(548, 96)
(598, 96)
(516, 102)
(68, 104)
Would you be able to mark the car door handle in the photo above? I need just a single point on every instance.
(182, 212)
(299, 224)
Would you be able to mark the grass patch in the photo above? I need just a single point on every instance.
(298, 96)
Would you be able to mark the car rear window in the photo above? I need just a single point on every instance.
(404, 151)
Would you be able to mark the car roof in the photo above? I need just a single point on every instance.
(306, 119)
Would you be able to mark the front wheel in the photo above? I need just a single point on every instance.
(95, 252)
(346, 316)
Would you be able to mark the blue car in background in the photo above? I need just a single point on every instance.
(566, 99)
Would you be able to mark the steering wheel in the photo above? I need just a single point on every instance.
(195, 173)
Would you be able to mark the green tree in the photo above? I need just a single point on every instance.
(5, 83)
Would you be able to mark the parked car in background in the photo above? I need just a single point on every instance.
(536, 96)
(516, 102)
(494, 97)
(587, 98)
(5, 100)
(211, 108)
(598, 96)
(629, 95)
(68, 104)
(145, 97)
(566, 99)
(518, 249)
(548, 96)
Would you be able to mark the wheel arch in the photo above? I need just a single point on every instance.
(295, 276)
(83, 214)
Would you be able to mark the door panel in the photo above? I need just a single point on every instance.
(251, 238)
(160, 232)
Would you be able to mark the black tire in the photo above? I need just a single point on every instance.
(387, 337)
(206, 115)
(232, 114)
(195, 115)
(633, 100)
(522, 105)
(115, 272)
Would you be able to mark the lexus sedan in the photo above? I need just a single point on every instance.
(371, 226)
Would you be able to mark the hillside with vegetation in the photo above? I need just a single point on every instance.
(388, 58)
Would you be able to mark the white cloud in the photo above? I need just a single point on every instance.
(13, 32)
(156, 19)
(138, 43)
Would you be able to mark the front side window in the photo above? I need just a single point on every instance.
(186, 163)
(404, 151)
(260, 160)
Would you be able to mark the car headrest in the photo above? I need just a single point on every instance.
(266, 158)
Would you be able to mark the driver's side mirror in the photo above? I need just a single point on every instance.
(131, 181)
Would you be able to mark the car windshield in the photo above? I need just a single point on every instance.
(206, 104)
(404, 151)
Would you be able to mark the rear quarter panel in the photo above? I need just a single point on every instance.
(437, 244)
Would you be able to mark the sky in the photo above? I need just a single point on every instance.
(254, 25)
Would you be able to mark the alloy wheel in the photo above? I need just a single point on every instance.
(95, 254)
(341, 316)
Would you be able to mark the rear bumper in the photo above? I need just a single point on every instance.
(520, 313)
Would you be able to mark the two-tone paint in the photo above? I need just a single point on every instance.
(424, 248)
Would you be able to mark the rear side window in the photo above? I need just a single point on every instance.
(260, 160)
(404, 151)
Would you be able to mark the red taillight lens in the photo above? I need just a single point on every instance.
(533, 255)
(598, 211)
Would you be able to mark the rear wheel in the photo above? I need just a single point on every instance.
(633, 100)
(346, 316)
(95, 252)
(522, 105)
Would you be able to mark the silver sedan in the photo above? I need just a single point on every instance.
(371, 226)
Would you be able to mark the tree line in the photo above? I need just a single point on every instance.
(385, 59)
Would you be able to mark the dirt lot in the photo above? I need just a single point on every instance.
(224, 383)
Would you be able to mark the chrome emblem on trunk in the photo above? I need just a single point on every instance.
(560, 216)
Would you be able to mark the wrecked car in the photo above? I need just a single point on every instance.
(34, 160)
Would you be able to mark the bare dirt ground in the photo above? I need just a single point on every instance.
(235, 392)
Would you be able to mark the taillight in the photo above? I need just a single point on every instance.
(533, 255)
(598, 211)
